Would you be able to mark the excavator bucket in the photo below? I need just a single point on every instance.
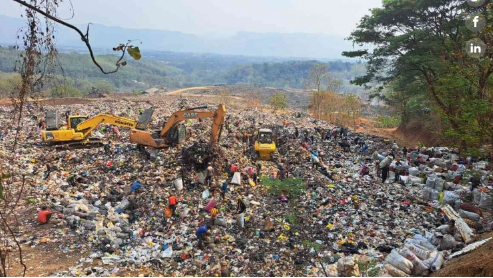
(51, 120)
(144, 119)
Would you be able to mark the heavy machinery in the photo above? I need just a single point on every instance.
(171, 134)
(265, 144)
(79, 128)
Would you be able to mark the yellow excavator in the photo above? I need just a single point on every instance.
(173, 135)
(265, 145)
(79, 128)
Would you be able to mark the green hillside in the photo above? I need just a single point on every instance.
(178, 70)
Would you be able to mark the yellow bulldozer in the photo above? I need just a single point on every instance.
(78, 130)
(265, 144)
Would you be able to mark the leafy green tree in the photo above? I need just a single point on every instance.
(8, 82)
(420, 44)
(279, 101)
(64, 90)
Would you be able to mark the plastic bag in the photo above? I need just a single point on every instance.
(251, 182)
(421, 253)
(420, 268)
(449, 197)
(413, 171)
(236, 178)
(447, 243)
(393, 271)
(426, 194)
(240, 220)
(423, 241)
(436, 261)
(430, 182)
(486, 201)
(434, 195)
(178, 184)
(385, 162)
(476, 196)
(220, 221)
(395, 259)
(348, 267)
(167, 253)
(439, 184)
(469, 215)
(206, 194)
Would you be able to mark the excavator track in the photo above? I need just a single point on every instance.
(88, 144)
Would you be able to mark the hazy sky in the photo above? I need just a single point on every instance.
(219, 17)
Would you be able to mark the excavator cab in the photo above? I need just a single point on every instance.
(265, 144)
(74, 121)
(176, 135)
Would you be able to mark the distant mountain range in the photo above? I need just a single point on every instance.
(292, 45)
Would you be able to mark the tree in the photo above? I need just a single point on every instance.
(334, 84)
(64, 90)
(420, 44)
(8, 82)
(279, 101)
(317, 77)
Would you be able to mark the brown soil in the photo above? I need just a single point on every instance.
(478, 263)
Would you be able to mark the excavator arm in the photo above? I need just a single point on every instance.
(87, 126)
(147, 138)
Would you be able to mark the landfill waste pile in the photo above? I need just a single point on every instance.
(332, 203)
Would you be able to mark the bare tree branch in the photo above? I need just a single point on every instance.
(84, 38)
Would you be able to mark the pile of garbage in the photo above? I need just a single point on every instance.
(322, 208)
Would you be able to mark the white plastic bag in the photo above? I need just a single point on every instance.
(439, 184)
(436, 261)
(206, 194)
(220, 221)
(421, 253)
(236, 178)
(178, 184)
(413, 171)
(393, 271)
(430, 182)
(240, 220)
(449, 197)
(167, 253)
(395, 259)
(420, 268)
(385, 162)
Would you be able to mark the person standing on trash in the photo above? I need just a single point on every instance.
(208, 174)
(240, 206)
(44, 215)
(233, 169)
(173, 201)
(201, 233)
(224, 189)
(214, 213)
(398, 165)
(49, 170)
(107, 147)
(385, 173)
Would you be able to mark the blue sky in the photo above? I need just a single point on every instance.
(219, 17)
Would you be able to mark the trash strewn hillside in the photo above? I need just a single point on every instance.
(331, 203)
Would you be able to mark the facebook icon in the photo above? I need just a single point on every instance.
(475, 22)
(476, 3)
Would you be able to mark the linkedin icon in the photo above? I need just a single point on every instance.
(475, 48)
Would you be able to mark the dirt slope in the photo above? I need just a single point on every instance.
(478, 263)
